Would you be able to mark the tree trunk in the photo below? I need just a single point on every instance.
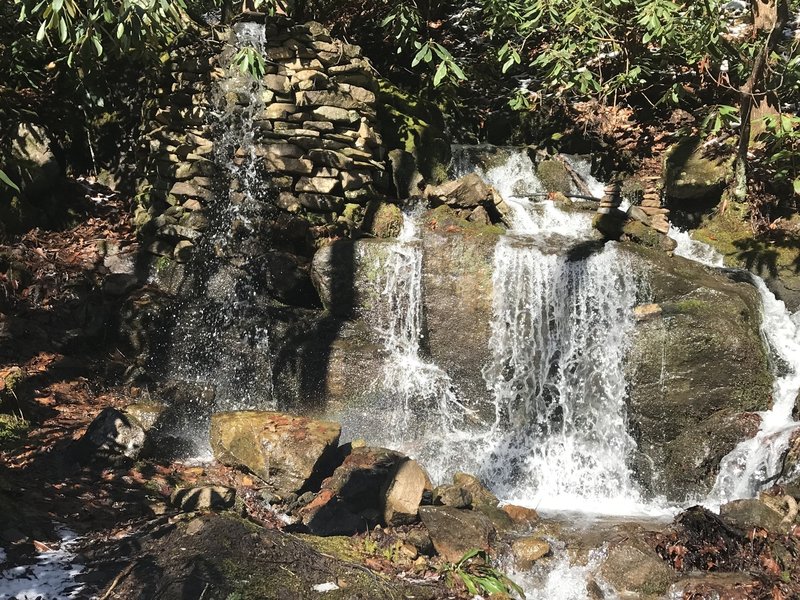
(769, 18)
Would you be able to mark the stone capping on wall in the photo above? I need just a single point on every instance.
(316, 141)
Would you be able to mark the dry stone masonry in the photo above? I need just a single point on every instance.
(177, 153)
(312, 143)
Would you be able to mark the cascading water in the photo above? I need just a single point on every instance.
(413, 395)
(559, 339)
(559, 334)
(219, 338)
(756, 462)
(563, 305)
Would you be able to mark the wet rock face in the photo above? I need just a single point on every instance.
(285, 451)
(455, 532)
(695, 372)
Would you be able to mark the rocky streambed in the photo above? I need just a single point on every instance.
(286, 511)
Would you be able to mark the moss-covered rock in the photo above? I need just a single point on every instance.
(554, 176)
(693, 171)
(383, 220)
(694, 373)
(775, 257)
(409, 123)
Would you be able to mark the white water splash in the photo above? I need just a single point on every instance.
(753, 463)
(560, 579)
(559, 337)
(207, 350)
(694, 250)
(412, 394)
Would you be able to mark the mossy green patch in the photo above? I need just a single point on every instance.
(12, 430)
(415, 126)
(339, 546)
(443, 218)
(554, 176)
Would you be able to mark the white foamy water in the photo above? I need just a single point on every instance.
(559, 337)
(694, 250)
(755, 462)
(559, 579)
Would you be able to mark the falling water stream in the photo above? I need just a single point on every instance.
(754, 463)
(209, 346)
(562, 317)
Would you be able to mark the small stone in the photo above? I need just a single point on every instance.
(318, 125)
(353, 180)
(192, 204)
(183, 251)
(455, 532)
(322, 185)
(145, 413)
(289, 165)
(194, 527)
(528, 550)
(278, 110)
(280, 151)
(646, 312)
(521, 515)
(330, 158)
(452, 495)
(336, 114)
(752, 512)
(403, 494)
(479, 493)
(277, 83)
(289, 202)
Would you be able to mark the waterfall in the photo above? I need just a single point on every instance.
(414, 405)
(562, 312)
(219, 336)
(755, 462)
(559, 336)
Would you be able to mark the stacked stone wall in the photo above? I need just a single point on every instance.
(315, 142)
(177, 152)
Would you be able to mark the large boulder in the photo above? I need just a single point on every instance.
(288, 452)
(466, 192)
(113, 435)
(633, 567)
(695, 171)
(455, 532)
(37, 175)
(696, 371)
(748, 513)
(352, 499)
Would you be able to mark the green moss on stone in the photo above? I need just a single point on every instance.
(416, 126)
(444, 218)
(554, 176)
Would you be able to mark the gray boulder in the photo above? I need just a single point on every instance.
(695, 373)
(113, 435)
